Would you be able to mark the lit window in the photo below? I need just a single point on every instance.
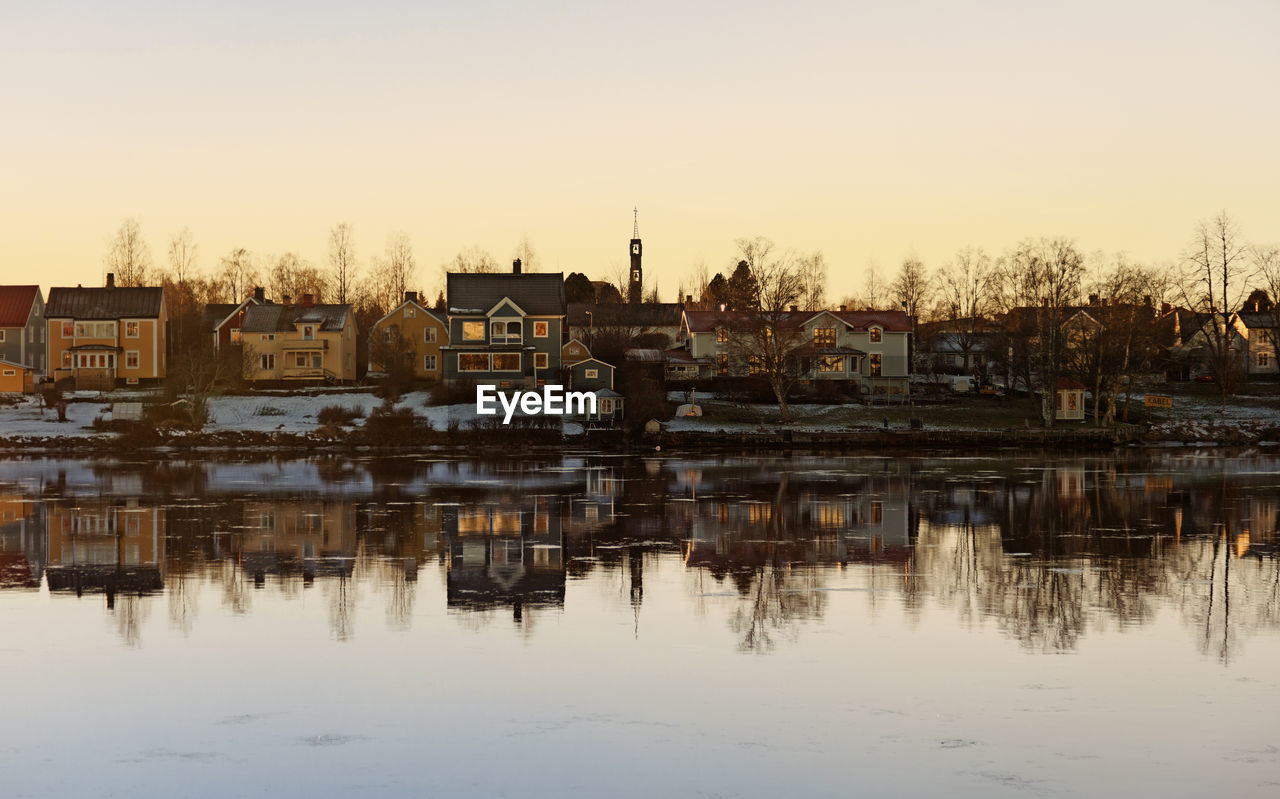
(722, 335)
(506, 362)
(591, 374)
(722, 364)
(235, 335)
(308, 332)
(875, 333)
(68, 330)
(539, 329)
(540, 360)
(824, 336)
(473, 362)
(131, 331)
(875, 364)
(408, 313)
(831, 364)
(473, 331)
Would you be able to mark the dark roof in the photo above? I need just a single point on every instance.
(215, 312)
(104, 303)
(894, 321)
(537, 294)
(275, 318)
(645, 314)
(1070, 384)
(15, 304)
(1256, 320)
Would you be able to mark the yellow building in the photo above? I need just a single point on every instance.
(410, 332)
(15, 378)
(294, 344)
(103, 337)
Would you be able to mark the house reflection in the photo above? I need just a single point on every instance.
(307, 538)
(23, 542)
(505, 553)
(107, 547)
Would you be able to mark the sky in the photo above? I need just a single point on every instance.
(870, 131)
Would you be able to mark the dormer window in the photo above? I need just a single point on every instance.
(722, 336)
(876, 333)
(824, 336)
(308, 332)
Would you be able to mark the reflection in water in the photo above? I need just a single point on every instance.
(1049, 549)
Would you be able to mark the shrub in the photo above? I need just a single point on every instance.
(388, 424)
(269, 410)
(338, 415)
(456, 393)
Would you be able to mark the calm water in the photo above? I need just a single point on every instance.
(606, 626)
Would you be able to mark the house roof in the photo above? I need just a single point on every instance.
(537, 293)
(893, 321)
(15, 304)
(275, 318)
(118, 302)
(3, 362)
(1257, 320)
(1070, 384)
(647, 314)
(436, 315)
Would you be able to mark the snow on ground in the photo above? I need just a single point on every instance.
(26, 419)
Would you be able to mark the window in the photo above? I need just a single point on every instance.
(824, 336)
(429, 363)
(1264, 359)
(68, 330)
(473, 331)
(506, 362)
(755, 366)
(472, 361)
(606, 405)
(300, 360)
(591, 374)
(96, 329)
(317, 360)
(268, 336)
(877, 513)
(236, 337)
(722, 365)
(66, 360)
(875, 333)
(540, 360)
(308, 332)
(540, 329)
(428, 335)
(1, 336)
(131, 359)
(722, 335)
(131, 331)
(388, 335)
(10, 372)
(834, 364)
(875, 364)
(408, 313)
(267, 362)
(504, 331)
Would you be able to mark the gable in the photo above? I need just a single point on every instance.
(505, 307)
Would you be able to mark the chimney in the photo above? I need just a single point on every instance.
(1093, 299)
(111, 280)
(795, 308)
(688, 299)
(515, 267)
(284, 299)
(843, 308)
(411, 296)
(308, 300)
(260, 294)
(1165, 308)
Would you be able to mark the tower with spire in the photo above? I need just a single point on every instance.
(635, 285)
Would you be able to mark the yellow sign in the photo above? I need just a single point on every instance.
(1157, 401)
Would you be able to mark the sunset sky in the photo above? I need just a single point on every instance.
(866, 130)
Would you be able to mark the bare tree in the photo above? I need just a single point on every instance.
(183, 257)
(912, 289)
(529, 260)
(1215, 285)
(128, 256)
(473, 259)
(342, 263)
(873, 289)
(813, 276)
(294, 276)
(237, 275)
(966, 297)
(765, 336)
(393, 273)
(1044, 278)
(1266, 260)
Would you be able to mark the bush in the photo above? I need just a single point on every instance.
(388, 424)
(338, 415)
(269, 410)
(456, 393)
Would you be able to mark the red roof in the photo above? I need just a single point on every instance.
(15, 304)
(893, 321)
(1069, 384)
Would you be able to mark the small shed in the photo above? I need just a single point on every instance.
(608, 409)
(1069, 401)
(590, 375)
(16, 378)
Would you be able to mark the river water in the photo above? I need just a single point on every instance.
(598, 625)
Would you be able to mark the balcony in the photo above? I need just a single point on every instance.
(305, 344)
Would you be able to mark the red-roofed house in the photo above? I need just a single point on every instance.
(22, 326)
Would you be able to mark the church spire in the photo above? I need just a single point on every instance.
(635, 229)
